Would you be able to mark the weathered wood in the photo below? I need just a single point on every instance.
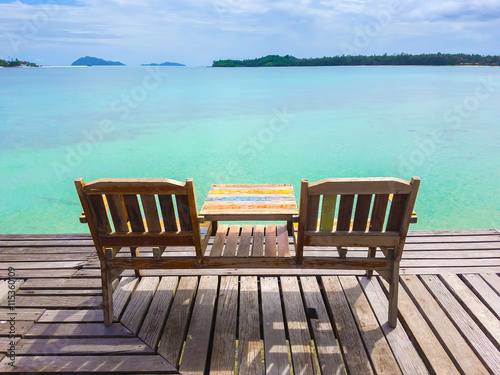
(232, 241)
(21, 314)
(482, 346)
(117, 212)
(258, 241)
(87, 364)
(55, 283)
(298, 331)
(6, 287)
(481, 314)
(220, 238)
(493, 280)
(329, 356)
(83, 346)
(376, 185)
(270, 243)
(373, 337)
(139, 303)
(311, 216)
(245, 239)
(46, 330)
(345, 212)
(122, 294)
(59, 302)
(405, 353)
(396, 212)
(427, 343)
(275, 343)
(484, 292)
(196, 349)
(168, 213)
(282, 238)
(157, 313)
(352, 346)
(452, 340)
(40, 265)
(175, 329)
(378, 213)
(99, 212)
(134, 213)
(249, 347)
(62, 316)
(19, 329)
(362, 212)
(151, 213)
(224, 343)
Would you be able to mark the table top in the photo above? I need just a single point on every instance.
(234, 202)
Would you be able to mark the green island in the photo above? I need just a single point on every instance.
(350, 60)
(15, 63)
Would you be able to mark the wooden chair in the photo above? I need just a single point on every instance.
(390, 202)
(112, 211)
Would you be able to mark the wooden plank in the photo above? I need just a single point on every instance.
(345, 212)
(158, 310)
(329, 356)
(118, 215)
(493, 280)
(41, 243)
(245, 239)
(19, 329)
(476, 338)
(45, 330)
(224, 343)
(376, 344)
(6, 343)
(59, 292)
(258, 241)
(312, 212)
(138, 364)
(45, 257)
(426, 342)
(99, 213)
(151, 213)
(270, 243)
(62, 316)
(59, 302)
(174, 333)
(122, 294)
(275, 343)
(168, 213)
(379, 212)
(83, 346)
(481, 314)
(134, 213)
(362, 212)
(139, 304)
(282, 238)
(21, 314)
(40, 265)
(328, 212)
(298, 330)
(484, 292)
(405, 353)
(396, 212)
(232, 241)
(194, 357)
(135, 186)
(249, 347)
(453, 342)
(220, 238)
(54, 283)
(22, 251)
(183, 212)
(355, 355)
(360, 185)
(6, 286)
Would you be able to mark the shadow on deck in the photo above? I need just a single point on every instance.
(252, 321)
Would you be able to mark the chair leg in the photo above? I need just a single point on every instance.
(107, 295)
(134, 251)
(393, 295)
(372, 251)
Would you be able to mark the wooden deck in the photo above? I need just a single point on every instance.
(270, 321)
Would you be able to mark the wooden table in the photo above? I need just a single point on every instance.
(247, 202)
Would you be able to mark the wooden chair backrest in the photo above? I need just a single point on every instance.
(113, 211)
(371, 211)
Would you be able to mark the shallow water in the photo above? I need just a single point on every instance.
(249, 125)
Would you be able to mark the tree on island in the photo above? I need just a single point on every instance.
(16, 63)
(437, 59)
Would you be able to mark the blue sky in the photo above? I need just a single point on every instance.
(196, 32)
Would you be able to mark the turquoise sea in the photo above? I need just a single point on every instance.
(249, 125)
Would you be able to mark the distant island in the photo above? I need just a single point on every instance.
(166, 63)
(348, 60)
(87, 60)
(16, 63)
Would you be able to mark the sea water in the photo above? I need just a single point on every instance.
(249, 125)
